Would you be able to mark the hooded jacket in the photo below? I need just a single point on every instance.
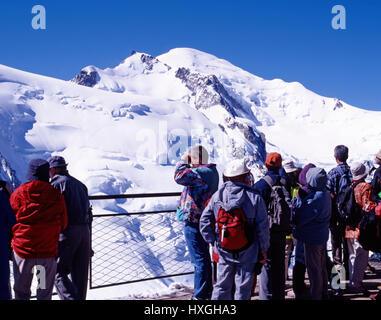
(313, 212)
(237, 195)
(304, 190)
(41, 216)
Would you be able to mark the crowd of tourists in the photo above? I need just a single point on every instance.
(248, 230)
(239, 233)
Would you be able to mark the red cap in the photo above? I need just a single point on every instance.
(274, 159)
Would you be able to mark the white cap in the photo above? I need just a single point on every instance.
(359, 171)
(289, 166)
(236, 168)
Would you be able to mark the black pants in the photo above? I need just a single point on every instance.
(298, 277)
(339, 246)
(272, 284)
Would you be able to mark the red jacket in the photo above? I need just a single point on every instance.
(41, 216)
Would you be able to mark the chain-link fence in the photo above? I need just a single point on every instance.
(132, 247)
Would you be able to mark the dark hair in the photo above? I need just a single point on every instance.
(273, 169)
(341, 153)
(61, 170)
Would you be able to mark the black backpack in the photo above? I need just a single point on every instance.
(349, 211)
(370, 232)
(344, 182)
(279, 207)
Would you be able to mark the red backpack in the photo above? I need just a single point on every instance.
(232, 229)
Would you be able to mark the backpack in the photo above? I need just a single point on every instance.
(279, 207)
(345, 179)
(233, 230)
(349, 211)
(370, 232)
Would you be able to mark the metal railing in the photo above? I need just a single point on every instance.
(137, 246)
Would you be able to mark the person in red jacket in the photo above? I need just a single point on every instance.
(41, 216)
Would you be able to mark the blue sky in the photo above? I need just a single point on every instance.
(292, 40)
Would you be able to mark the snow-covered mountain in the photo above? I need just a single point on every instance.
(122, 129)
(292, 119)
(148, 110)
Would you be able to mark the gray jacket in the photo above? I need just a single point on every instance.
(76, 198)
(232, 195)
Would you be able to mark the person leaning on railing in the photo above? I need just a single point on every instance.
(41, 216)
(74, 246)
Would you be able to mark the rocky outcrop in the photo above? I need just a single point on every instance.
(88, 78)
(150, 62)
(7, 173)
(338, 104)
(207, 91)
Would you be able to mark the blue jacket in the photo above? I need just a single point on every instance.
(313, 213)
(76, 198)
(263, 188)
(232, 195)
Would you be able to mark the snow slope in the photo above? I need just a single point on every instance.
(122, 129)
(278, 109)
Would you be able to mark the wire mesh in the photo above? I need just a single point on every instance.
(132, 248)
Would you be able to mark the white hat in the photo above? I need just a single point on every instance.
(359, 171)
(236, 168)
(289, 166)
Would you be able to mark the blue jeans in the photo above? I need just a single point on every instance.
(200, 257)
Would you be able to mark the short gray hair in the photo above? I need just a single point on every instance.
(341, 153)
